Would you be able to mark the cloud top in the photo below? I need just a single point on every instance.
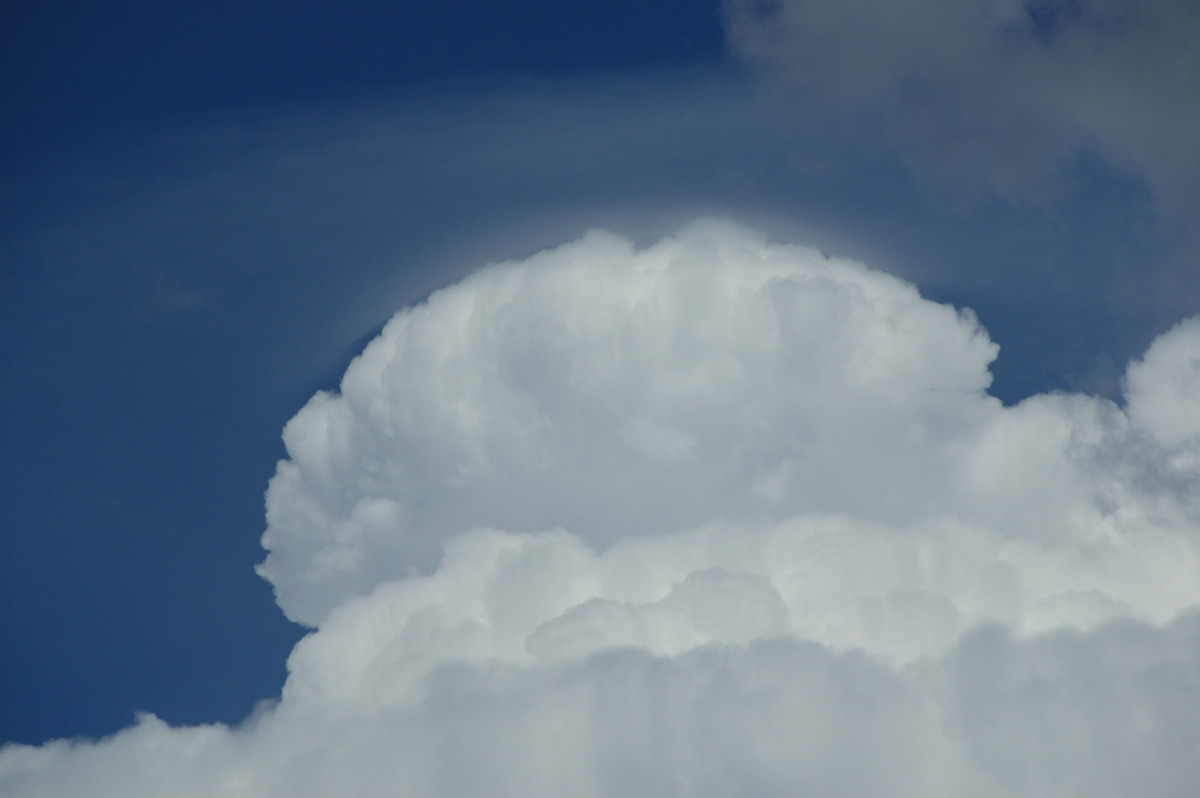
(1163, 386)
(618, 392)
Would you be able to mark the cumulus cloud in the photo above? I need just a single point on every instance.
(617, 393)
(716, 516)
(1001, 91)
(1164, 385)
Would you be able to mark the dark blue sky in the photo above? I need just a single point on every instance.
(70, 67)
(137, 444)
(209, 207)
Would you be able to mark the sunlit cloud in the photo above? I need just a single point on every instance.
(714, 515)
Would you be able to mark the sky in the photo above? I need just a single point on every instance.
(690, 398)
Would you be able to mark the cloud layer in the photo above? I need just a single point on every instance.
(716, 516)
(1001, 91)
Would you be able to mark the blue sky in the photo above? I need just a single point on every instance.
(210, 209)
(147, 426)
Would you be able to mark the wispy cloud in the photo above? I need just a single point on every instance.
(1003, 92)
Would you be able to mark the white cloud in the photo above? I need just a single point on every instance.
(621, 394)
(1164, 386)
(717, 516)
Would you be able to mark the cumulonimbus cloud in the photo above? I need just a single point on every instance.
(717, 516)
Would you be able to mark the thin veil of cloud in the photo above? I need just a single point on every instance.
(710, 516)
(998, 90)
(320, 221)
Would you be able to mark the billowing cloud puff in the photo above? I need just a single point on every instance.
(716, 516)
(621, 394)
(1163, 386)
